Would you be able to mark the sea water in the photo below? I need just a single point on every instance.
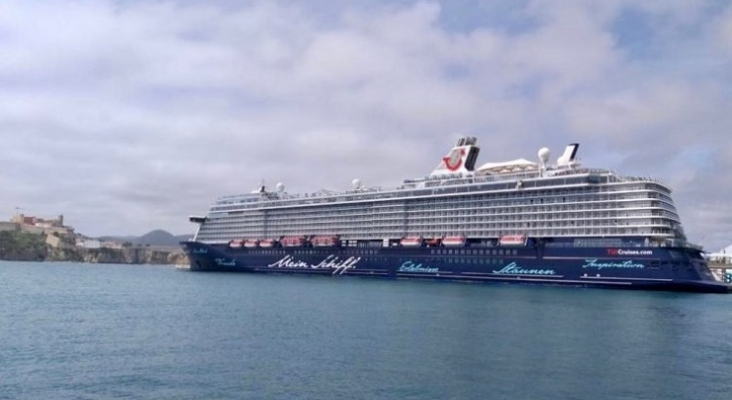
(82, 331)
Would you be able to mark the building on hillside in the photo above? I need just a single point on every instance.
(54, 241)
(109, 244)
(88, 243)
(31, 220)
(33, 224)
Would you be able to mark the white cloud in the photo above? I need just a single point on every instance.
(128, 116)
(724, 32)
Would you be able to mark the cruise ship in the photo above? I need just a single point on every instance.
(519, 221)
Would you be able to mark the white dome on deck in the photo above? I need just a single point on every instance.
(544, 155)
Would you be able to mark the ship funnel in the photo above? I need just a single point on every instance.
(460, 159)
(567, 159)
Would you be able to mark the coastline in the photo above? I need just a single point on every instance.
(40, 252)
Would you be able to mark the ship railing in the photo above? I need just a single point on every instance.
(455, 186)
(395, 194)
(622, 178)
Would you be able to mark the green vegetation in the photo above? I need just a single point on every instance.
(22, 246)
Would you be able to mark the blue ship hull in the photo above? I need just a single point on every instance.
(648, 268)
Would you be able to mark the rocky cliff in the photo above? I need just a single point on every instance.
(127, 255)
(23, 246)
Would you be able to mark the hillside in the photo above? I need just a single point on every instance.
(24, 246)
(157, 237)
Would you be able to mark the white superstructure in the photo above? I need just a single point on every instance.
(518, 197)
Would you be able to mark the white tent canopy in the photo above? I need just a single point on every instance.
(507, 166)
(722, 256)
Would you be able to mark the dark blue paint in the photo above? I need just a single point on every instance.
(658, 268)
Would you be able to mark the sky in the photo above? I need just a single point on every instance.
(127, 116)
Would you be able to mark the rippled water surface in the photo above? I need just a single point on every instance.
(152, 332)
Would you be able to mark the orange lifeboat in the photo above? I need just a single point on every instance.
(251, 243)
(454, 241)
(293, 241)
(235, 244)
(267, 243)
(325, 241)
(412, 241)
(512, 240)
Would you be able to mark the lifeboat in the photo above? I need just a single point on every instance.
(293, 241)
(454, 241)
(267, 243)
(235, 244)
(512, 240)
(325, 241)
(251, 243)
(412, 241)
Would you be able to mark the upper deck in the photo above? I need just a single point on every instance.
(434, 187)
(563, 199)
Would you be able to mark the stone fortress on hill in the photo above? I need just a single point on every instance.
(55, 232)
